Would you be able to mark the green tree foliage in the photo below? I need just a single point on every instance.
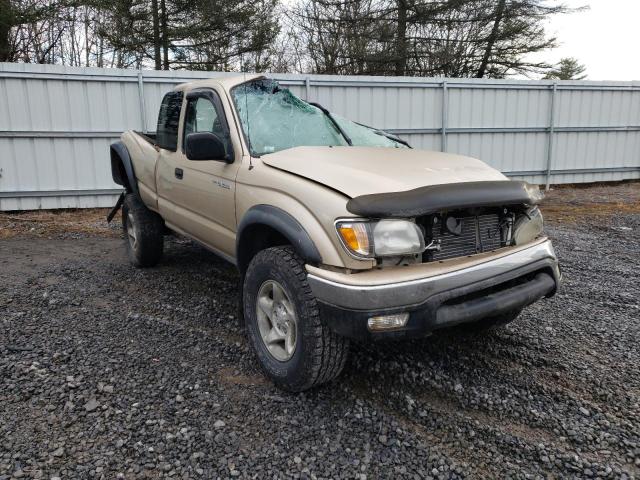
(164, 34)
(6, 23)
(567, 68)
(194, 34)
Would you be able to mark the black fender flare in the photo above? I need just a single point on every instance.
(283, 223)
(120, 156)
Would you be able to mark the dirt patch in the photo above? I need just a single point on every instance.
(233, 376)
(58, 223)
(574, 203)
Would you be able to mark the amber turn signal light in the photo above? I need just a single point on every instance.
(355, 236)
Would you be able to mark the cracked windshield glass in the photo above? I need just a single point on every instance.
(274, 119)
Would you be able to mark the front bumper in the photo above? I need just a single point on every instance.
(440, 294)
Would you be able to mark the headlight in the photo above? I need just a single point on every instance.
(382, 238)
(528, 226)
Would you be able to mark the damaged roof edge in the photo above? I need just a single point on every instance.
(453, 196)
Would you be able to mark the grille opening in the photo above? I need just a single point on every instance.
(466, 232)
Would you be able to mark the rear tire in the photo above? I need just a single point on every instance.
(143, 231)
(294, 347)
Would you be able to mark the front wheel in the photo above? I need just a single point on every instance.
(294, 347)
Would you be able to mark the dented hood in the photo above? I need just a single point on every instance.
(357, 171)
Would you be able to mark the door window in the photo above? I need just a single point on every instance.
(203, 116)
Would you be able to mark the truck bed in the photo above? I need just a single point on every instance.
(144, 155)
(149, 137)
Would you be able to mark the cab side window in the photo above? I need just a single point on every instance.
(203, 116)
(168, 121)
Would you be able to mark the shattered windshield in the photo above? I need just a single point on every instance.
(274, 119)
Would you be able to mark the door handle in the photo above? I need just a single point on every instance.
(179, 173)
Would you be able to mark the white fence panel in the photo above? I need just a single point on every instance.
(56, 124)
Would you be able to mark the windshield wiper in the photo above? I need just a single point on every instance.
(384, 133)
(391, 136)
(333, 120)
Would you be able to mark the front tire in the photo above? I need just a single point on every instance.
(294, 347)
(144, 232)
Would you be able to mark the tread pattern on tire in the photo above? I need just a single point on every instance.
(330, 350)
(150, 232)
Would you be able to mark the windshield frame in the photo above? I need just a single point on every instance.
(246, 138)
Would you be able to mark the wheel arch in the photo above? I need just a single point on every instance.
(122, 167)
(265, 226)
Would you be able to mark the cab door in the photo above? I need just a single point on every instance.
(199, 195)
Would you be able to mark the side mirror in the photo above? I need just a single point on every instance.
(206, 146)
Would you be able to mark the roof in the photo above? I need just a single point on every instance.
(227, 82)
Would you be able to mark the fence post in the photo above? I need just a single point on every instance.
(445, 115)
(143, 111)
(551, 132)
(306, 88)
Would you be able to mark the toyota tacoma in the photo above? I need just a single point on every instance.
(339, 231)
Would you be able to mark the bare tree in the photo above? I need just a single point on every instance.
(455, 38)
(426, 37)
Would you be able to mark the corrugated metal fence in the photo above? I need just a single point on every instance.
(56, 124)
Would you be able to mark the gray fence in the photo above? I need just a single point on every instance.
(56, 124)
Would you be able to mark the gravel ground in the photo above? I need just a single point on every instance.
(107, 371)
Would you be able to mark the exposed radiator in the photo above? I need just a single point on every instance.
(479, 234)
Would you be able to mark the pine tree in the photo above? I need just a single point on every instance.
(567, 68)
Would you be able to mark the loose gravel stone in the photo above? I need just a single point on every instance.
(107, 371)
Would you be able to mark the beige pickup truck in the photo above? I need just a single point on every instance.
(339, 231)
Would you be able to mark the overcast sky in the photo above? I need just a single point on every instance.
(605, 38)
